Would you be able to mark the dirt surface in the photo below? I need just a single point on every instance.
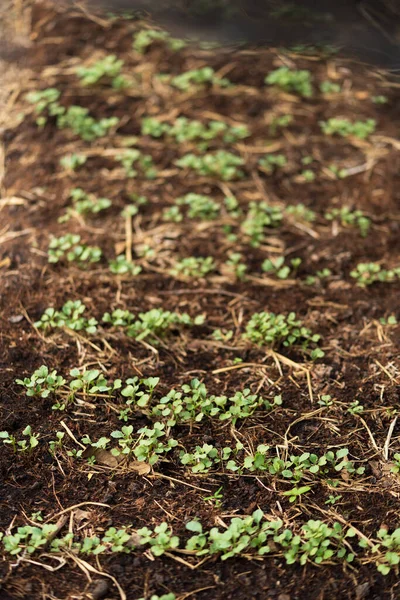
(361, 352)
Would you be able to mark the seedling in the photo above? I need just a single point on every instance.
(280, 122)
(160, 540)
(25, 445)
(276, 266)
(221, 164)
(347, 128)
(259, 217)
(133, 162)
(84, 204)
(70, 316)
(300, 212)
(292, 81)
(42, 382)
(346, 216)
(147, 447)
(328, 87)
(193, 267)
(274, 330)
(369, 273)
(72, 162)
(152, 324)
(69, 246)
(184, 130)
(196, 77)
(199, 206)
(271, 162)
(121, 266)
(235, 265)
(107, 69)
(145, 38)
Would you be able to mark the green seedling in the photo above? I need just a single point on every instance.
(193, 403)
(199, 206)
(25, 445)
(72, 162)
(121, 266)
(300, 212)
(193, 267)
(42, 382)
(108, 69)
(276, 266)
(268, 329)
(145, 445)
(70, 317)
(260, 216)
(328, 87)
(280, 122)
(160, 540)
(84, 204)
(353, 218)
(235, 266)
(134, 162)
(292, 81)
(197, 77)
(184, 130)
(69, 246)
(220, 164)
(368, 273)
(271, 162)
(347, 128)
(145, 38)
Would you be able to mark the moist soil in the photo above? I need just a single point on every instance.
(361, 361)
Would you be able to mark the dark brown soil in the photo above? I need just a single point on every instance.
(361, 359)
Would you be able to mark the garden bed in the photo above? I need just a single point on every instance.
(204, 210)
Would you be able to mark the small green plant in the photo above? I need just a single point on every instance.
(84, 204)
(195, 77)
(25, 445)
(193, 403)
(347, 128)
(107, 69)
(292, 81)
(346, 216)
(390, 545)
(160, 540)
(146, 446)
(339, 173)
(368, 273)
(134, 162)
(151, 324)
(276, 266)
(28, 539)
(193, 267)
(42, 382)
(70, 246)
(328, 87)
(72, 162)
(235, 266)
(266, 328)
(221, 164)
(380, 99)
(121, 266)
(184, 129)
(70, 317)
(147, 37)
(300, 212)
(202, 459)
(199, 206)
(280, 122)
(78, 119)
(271, 162)
(259, 217)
